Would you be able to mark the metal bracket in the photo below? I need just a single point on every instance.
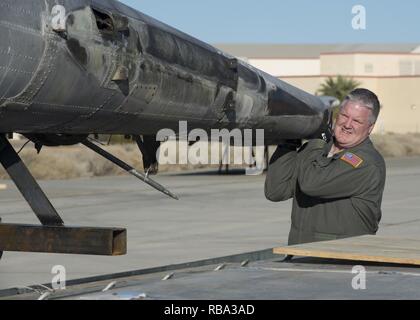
(27, 185)
(121, 74)
(128, 168)
(52, 236)
(148, 147)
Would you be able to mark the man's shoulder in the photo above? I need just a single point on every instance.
(314, 144)
(369, 155)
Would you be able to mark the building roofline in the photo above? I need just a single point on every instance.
(314, 51)
(283, 58)
(347, 76)
(370, 53)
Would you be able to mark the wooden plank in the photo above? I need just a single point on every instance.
(365, 248)
(68, 240)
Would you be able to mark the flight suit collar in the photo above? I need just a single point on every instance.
(365, 144)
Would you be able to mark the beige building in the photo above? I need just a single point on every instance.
(392, 71)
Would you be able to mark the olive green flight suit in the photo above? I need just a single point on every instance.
(335, 197)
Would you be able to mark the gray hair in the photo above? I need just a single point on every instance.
(367, 99)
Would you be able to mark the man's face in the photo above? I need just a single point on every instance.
(352, 126)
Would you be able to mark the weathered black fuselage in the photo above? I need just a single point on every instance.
(116, 70)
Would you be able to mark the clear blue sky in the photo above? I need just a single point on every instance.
(287, 21)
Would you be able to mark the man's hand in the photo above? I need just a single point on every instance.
(326, 131)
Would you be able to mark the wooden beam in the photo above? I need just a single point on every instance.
(67, 240)
(365, 248)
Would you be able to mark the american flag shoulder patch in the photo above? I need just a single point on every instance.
(352, 159)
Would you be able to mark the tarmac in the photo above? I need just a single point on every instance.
(217, 215)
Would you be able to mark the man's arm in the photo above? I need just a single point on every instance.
(330, 180)
(281, 179)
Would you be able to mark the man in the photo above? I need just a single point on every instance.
(337, 186)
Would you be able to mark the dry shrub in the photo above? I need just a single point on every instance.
(397, 145)
(78, 161)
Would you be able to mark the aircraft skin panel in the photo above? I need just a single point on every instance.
(116, 70)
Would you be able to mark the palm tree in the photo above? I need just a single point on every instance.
(338, 88)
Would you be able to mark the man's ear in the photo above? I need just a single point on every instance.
(372, 126)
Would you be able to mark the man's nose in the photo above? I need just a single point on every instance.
(348, 123)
